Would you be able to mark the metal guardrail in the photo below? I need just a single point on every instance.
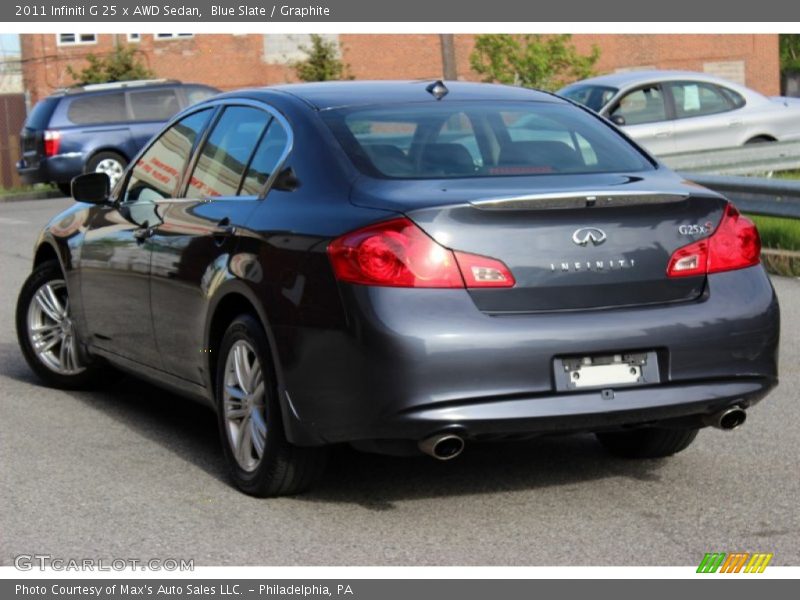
(770, 197)
(751, 159)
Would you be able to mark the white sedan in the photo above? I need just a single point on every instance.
(681, 111)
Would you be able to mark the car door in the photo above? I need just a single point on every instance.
(705, 117)
(645, 116)
(114, 264)
(195, 244)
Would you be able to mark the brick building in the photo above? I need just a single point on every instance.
(230, 61)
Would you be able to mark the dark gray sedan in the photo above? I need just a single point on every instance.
(408, 268)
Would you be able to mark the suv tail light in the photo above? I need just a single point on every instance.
(735, 244)
(397, 253)
(52, 141)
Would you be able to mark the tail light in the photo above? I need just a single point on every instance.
(52, 141)
(397, 253)
(735, 244)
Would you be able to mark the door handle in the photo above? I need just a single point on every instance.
(223, 231)
(736, 123)
(663, 134)
(143, 234)
(224, 228)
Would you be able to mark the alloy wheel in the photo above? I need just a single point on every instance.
(112, 168)
(51, 331)
(244, 405)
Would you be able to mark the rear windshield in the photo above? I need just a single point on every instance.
(593, 96)
(480, 139)
(41, 113)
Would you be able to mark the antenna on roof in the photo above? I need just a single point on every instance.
(437, 89)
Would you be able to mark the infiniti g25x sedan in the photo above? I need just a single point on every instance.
(408, 268)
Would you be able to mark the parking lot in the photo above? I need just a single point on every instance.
(130, 471)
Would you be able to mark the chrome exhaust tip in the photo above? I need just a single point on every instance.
(443, 446)
(728, 419)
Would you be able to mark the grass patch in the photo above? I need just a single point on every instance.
(778, 233)
(21, 190)
(786, 175)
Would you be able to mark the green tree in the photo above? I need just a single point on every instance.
(790, 52)
(322, 62)
(539, 61)
(120, 65)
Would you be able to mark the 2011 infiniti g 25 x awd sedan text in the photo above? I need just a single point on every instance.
(406, 267)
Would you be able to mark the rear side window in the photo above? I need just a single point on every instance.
(159, 170)
(266, 159)
(227, 151)
(694, 99)
(153, 105)
(98, 108)
(480, 139)
(41, 113)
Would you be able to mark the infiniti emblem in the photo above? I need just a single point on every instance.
(584, 235)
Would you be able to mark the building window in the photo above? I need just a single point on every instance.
(172, 36)
(75, 39)
(287, 48)
(134, 37)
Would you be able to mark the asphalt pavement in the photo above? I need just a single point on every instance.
(130, 471)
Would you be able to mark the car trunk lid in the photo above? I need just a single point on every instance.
(601, 246)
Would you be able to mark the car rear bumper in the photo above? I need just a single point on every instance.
(58, 169)
(411, 363)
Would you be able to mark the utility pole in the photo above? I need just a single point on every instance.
(449, 67)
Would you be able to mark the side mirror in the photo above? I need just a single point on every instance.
(618, 120)
(94, 188)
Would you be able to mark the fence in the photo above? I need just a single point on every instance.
(12, 117)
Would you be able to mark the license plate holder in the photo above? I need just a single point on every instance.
(606, 371)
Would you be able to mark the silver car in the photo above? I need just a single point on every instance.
(682, 111)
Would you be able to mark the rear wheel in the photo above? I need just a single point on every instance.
(261, 460)
(110, 163)
(46, 332)
(651, 442)
(760, 139)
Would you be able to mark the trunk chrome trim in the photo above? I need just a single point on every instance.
(561, 200)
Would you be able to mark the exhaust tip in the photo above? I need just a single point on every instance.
(728, 419)
(732, 418)
(444, 446)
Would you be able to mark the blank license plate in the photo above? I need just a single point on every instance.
(608, 371)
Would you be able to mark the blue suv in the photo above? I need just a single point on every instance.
(98, 127)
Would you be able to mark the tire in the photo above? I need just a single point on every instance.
(43, 319)
(651, 442)
(759, 139)
(65, 188)
(110, 163)
(244, 368)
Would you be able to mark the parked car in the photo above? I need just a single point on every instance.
(670, 112)
(98, 128)
(407, 268)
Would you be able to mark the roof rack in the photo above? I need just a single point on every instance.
(96, 87)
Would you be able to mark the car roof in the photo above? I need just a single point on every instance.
(335, 94)
(122, 86)
(628, 78)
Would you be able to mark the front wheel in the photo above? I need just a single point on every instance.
(46, 332)
(649, 442)
(260, 459)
